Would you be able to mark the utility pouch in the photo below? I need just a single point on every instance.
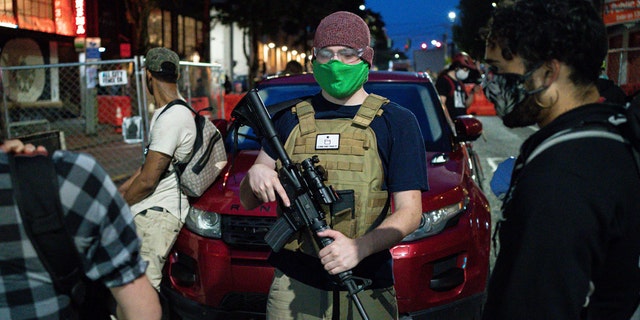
(343, 213)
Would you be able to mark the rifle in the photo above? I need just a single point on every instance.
(304, 184)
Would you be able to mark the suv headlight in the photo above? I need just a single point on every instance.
(433, 222)
(204, 223)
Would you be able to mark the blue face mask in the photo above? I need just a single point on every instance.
(507, 90)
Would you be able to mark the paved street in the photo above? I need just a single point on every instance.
(496, 144)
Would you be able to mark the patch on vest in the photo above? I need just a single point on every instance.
(328, 141)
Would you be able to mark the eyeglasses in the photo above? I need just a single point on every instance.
(346, 55)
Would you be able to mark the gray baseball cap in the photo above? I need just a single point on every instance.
(156, 57)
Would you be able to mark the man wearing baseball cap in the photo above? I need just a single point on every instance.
(153, 192)
(451, 85)
(366, 179)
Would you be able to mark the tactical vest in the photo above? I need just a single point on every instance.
(348, 151)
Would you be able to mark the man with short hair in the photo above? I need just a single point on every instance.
(101, 225)
(153, 191)
(570, 233)
(362, 231)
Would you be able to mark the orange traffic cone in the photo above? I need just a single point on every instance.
(118, 120)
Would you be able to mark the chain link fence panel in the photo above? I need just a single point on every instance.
(101, 108)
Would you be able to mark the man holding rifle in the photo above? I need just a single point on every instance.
(373, 152)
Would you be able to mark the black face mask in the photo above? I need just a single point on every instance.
(507, 92)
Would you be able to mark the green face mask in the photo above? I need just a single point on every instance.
(338, 79)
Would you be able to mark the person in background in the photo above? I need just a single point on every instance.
(91, 204)
(609, 90)
(451, 86)
(153, 192)
(228, 86)
(570, 229)
(293, 67)
(302, 287)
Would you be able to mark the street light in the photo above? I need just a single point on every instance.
(269, 63)
(452, 18)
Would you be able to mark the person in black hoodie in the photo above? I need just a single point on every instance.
(570, 232)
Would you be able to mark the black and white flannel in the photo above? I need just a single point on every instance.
(102, 228)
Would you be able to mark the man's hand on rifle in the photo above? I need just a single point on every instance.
(263, 183)
(343, 254)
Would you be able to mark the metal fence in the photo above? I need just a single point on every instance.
(89, 102)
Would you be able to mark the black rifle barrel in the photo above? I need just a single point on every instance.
(266, 125)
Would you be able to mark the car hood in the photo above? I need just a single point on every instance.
(445, 185)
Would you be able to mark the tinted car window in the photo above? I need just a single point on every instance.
(416, 97)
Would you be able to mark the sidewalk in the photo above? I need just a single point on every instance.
(107, 146)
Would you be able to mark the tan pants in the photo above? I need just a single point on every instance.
(290, 299)
(158, 230)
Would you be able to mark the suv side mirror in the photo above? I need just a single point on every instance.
(468, 128)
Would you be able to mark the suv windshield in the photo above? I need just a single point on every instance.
(416, 97)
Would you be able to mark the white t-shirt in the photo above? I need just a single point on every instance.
(172, 134)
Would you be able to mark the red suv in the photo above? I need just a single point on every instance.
(218, 266)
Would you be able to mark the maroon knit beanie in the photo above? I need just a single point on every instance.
(344, 28)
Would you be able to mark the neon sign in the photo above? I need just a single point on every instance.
(81, 20)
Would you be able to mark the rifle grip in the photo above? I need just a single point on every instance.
(278, 234)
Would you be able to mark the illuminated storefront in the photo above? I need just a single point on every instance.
(55, 25)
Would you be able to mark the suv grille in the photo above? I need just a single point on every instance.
(245, 231)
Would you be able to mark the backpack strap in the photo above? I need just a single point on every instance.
(173, 103)
(572, 134)
(37, 195)
(174, 162)
(451, 82)
(594, 131)
(169, 105)
(371, 107)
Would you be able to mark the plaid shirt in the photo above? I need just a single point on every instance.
(102, 228)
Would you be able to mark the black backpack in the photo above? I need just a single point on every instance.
(623, 127)
(36, 191)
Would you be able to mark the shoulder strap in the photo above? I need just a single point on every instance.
(306, 117)
(369, 110)
(37, 195)
(573, 133)
(452, 83)
(199, 132)
(173, 103)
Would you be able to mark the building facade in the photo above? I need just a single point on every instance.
(61, 29)
(36, 32)
(622, 18)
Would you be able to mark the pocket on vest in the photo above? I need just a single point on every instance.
(342, 211)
